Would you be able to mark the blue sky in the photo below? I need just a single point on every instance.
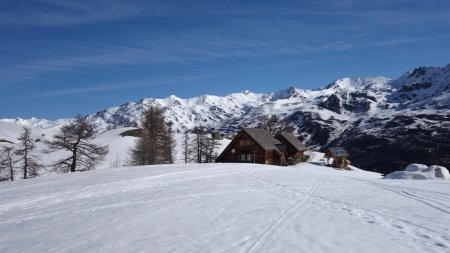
(62, 58)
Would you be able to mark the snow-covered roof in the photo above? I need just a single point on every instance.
(336, 152)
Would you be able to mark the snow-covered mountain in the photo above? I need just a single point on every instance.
(384, 123)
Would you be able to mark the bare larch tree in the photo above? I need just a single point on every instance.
(187, 150)
(155, 145)
(204, 148)
(30, 165)
(75, 139)
(7, 163)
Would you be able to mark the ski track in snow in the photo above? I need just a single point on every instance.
(103, 189)
(278, 225)
(418, 232)
(263, 207)
(429, 201)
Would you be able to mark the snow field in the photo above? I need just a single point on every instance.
(224, 207)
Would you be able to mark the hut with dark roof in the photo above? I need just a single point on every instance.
(253, 145)
(339, 156)
(293, 148)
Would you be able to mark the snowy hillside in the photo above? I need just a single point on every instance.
(118, 145)
(224, 207)
(410, 113)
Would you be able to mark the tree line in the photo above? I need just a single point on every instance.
(155, 144)
(80, 154)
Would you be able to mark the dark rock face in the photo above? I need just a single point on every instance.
(399, 144)
(417, 72)
(416, 86)
(333, 103)
(318, 130)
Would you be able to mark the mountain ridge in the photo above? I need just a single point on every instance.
(373, 111)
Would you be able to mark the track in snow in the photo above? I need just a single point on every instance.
(277, 226)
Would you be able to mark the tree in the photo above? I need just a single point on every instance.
(138, 153)
(7, 163)
(155, 144)
(211, 149)
(187, 150)
(204, 147)
(74, 138)
(30, 166)
(199, 143)
(169, 145)
(116, 162)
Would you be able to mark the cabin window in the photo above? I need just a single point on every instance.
(246, 158)
(244, 143)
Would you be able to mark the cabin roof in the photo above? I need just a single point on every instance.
(336, 152)
(289, 137)
(263, 138)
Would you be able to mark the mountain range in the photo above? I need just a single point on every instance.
(384, 123)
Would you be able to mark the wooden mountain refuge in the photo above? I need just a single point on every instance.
(339, 156)
(256, 145)
(252, 145)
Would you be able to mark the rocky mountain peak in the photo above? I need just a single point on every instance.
(288, 93)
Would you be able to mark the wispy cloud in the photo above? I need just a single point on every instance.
(342, 42)
(111, 87)
(68, 12)
(186, 48)
(251, 32)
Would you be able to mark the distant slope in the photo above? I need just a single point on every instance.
(119, 146)
(224, 207)
(385, 123)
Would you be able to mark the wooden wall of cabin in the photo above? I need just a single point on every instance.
(340, 162)
(273, 158)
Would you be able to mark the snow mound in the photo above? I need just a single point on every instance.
(420, 172)
(416, 167)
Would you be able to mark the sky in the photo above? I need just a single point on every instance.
(63, 58)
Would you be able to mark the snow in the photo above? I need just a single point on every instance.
(224, 207)
(420, 172)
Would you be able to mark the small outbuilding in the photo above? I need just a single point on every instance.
(253, 145)
(339, 156)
